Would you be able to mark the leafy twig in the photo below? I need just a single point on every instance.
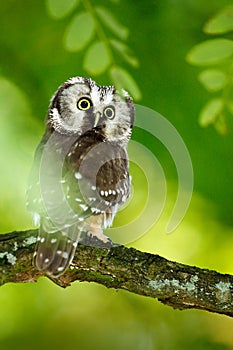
(216, 55)
(95, 31)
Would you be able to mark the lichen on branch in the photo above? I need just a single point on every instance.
(174, 284)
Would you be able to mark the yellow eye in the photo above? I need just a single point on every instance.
(84, 103)
(109, 112)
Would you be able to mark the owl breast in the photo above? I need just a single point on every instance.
(99, 170)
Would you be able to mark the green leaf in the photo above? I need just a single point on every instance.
(211, 111)
(60, 8)
(97, 58)
(111, 22)
(220, 125)
(220, 23)
(125, 52)
(210, 52)
(123, 80)
(79, 32)
(213, 79)
(230, 106)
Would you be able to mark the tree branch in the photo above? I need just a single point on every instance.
(174, 284)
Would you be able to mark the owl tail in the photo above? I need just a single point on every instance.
(55, 251)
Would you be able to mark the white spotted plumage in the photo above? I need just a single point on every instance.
(80, 176)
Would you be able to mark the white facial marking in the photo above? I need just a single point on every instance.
(75, 80)
(124, 198)
(95, 95)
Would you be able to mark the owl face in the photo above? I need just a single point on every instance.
(81, 105)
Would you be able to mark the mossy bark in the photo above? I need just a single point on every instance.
(174, 284)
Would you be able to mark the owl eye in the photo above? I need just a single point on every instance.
(109, 112)
(84, 103)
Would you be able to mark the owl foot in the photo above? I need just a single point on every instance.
(99, 241)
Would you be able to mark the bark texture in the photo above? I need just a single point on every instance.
(174, 284)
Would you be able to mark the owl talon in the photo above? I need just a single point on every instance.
(91, 240)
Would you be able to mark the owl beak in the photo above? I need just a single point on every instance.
(97, 118)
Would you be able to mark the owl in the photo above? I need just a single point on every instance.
(80, 175)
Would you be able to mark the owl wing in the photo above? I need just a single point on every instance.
(33, 195)
(47, 198)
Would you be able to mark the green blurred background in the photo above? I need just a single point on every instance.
(33, 62)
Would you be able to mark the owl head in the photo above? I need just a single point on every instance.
(80, 105)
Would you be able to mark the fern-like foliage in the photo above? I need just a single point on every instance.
(96, 31)
(216, 55)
